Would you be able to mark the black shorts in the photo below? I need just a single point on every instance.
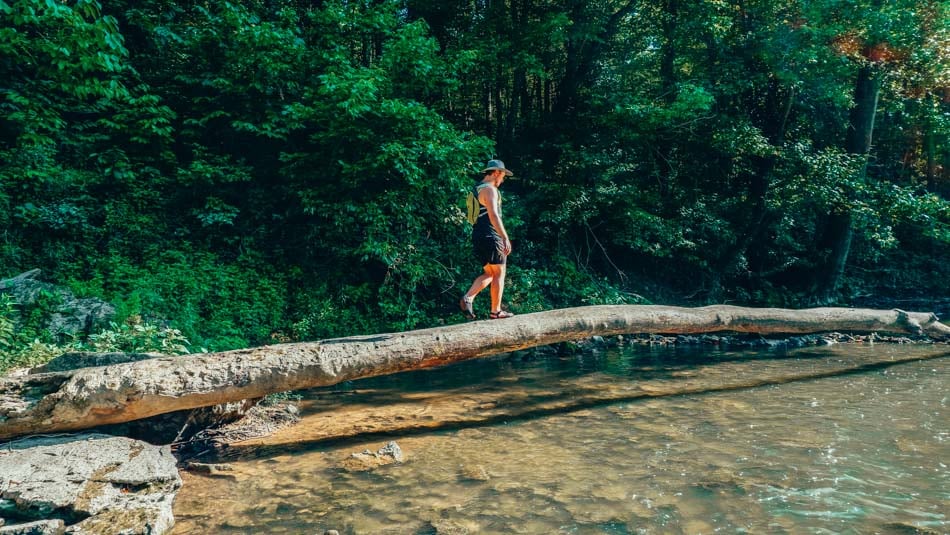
(489, 249)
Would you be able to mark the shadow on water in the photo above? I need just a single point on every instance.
(511, 389)
(636, 363)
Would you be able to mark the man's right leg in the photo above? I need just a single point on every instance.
(497, 272)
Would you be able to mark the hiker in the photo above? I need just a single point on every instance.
(490, 241)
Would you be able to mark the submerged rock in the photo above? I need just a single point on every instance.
(901, 528)
(95, 483)
(444, 526)
(473, 473)
(367, 460)
(211, 469)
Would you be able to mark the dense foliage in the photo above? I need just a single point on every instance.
(247, 172)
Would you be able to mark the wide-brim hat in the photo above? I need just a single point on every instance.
(497, 165)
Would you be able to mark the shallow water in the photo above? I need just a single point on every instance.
(840, 439)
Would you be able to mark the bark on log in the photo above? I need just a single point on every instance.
(90, 397)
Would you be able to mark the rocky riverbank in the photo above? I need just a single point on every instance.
(94, 483)
(87, 484)
(119, 479)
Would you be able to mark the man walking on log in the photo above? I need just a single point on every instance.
(490, 241)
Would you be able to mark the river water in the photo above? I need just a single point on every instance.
(837, 439)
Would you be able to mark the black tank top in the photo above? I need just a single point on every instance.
(483, 226)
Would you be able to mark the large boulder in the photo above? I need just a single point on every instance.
(70, 315)
(94, 483)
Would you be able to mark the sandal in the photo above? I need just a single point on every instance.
(466, 305)
(501, 314)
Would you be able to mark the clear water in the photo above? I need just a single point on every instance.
(840, 439)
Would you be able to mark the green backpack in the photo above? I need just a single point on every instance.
(472, 206)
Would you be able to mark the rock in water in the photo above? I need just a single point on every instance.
(445, 526)
(214, 470)
(367, 460)
(97, 483)
(391, 449)
(474, 473)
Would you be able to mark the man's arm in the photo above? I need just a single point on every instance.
(489, 198)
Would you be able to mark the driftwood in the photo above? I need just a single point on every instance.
(89, 397)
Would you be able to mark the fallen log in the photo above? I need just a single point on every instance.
(90, 397)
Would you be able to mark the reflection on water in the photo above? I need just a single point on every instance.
(625, 441)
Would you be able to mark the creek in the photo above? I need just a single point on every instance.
(847, 438)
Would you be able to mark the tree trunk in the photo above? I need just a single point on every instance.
(499, 126)
(91, 397)
(838, 233)
(866, 93)
(668, 59)
(930, 150)
(581, 55)
(837, 242)
(775, 118)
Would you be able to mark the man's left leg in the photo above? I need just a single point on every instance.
(478, 285)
